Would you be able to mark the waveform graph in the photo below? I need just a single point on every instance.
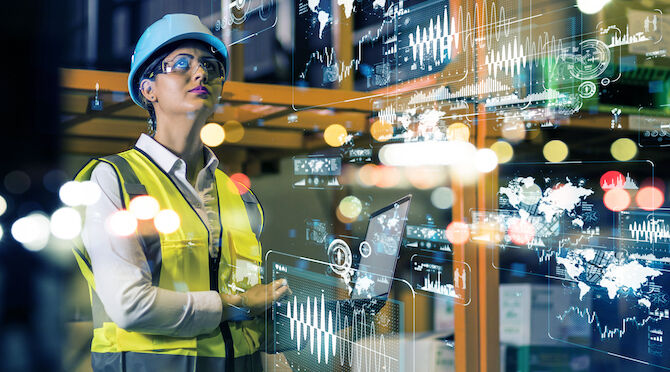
(319, 328)
(645, 233)
(441, 277)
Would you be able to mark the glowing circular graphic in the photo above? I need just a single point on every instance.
(591, 60)
(458, 232)
(365, 249)
(339, 256)
(605, 82)
(587, 89)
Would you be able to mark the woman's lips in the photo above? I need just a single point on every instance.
(199, 90)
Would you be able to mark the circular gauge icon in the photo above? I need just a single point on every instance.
(339, 256)
(365, 249)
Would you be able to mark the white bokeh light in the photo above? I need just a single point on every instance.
(144, 207)
(486, 160)
(2, 232)
(66, 223)
(70, 193)
(167, 221)
(442, 198)
(412, 154)
(32, 231)
(3, 205)
(89, 192)
(122, 223)
(591, 6)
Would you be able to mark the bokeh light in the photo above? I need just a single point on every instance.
(66, 223)
(521, 232)
(611, 179)
(555, 151)
(442, 197)
(503, 150)
(122, 223)
(649, 198)
(458, 232)
(381, 131)
(623, 149)
(241, 182)
(388, 176)
(32, 231)
(89, 193)
(368, 175)
(335, 135)
(591, 6)
(350, 207)
(17, 182)
(458, 132)
(2, 232)
(486, 160)
(212, 134)
(616, 199)
(424, 178)
(233, 131)
(144, 207)
(69, 193)
(513, 130)
(167, 221)
(54, 179)
(3, 205)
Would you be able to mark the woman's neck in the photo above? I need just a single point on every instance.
(182, 137)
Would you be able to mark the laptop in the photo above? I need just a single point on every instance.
(380, 251)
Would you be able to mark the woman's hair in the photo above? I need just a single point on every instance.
(150, 73)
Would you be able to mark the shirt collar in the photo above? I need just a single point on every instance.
(167, 160)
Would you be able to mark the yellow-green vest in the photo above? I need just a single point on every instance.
(180, 261)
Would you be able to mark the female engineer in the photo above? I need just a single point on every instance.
(187, 299)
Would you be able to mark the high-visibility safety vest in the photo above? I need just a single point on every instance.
(180, 261)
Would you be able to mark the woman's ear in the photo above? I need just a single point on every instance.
(147, 90)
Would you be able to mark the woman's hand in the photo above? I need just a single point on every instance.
(259, 297)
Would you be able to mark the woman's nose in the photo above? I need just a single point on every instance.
(200, 73)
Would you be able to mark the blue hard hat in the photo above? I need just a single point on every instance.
(167, 30)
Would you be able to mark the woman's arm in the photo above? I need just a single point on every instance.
(123, 279)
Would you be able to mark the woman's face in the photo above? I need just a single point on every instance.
(184, 91)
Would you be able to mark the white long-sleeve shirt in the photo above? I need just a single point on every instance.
(122, 275)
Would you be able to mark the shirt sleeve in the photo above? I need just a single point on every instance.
(123, 278)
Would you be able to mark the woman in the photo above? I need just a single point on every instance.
(186, 299)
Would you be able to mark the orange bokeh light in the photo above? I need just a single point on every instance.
(616, 199)
(242, 183)
(369, 175)
(521, 232)
(649, 198)
(458, 232)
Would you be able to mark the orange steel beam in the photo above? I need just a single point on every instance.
(234, 91)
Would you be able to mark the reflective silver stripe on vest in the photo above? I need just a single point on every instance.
(149, 238)
(132, 361)
(252, 205)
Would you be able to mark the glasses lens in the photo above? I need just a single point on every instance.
(180, 64)
(213, 68)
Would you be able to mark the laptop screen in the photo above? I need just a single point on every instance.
(379, 252)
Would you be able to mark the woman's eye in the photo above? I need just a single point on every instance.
(181, 63)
